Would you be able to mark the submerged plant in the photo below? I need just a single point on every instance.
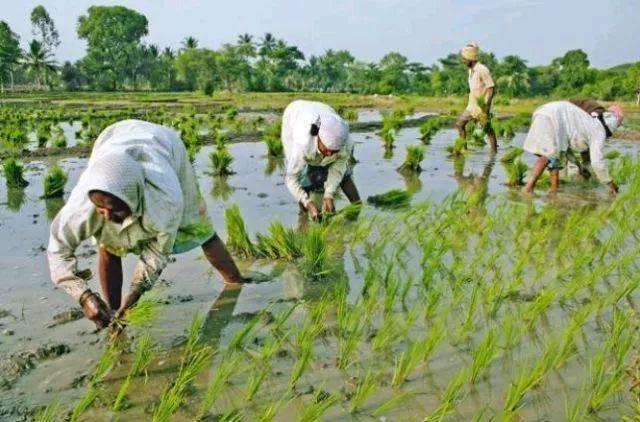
(458, 148)
(54, 182)
(315, 261)
(14, 173)
(392, 199)
(238, 240)
(415, 155)
(429, 128)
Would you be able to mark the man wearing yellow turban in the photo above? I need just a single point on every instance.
(481, 90)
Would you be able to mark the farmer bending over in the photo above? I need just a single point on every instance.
(563, 126)
(138, 194)
(481, 90)
(317, 150)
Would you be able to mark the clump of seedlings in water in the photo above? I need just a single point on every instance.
(394, 198)
(43, 132)
(280, 243)
(516, 172)
(54, 182)
(349, 114)
(411, 164)
(315, 262)
(272, 140)
(14, 173)
(238, 240)
(429, 128)
(58, 138)
(221, 159)
(458, 148)
(391, 124)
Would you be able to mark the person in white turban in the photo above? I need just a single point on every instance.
(481, 91)
(139, 194)
(560, 128)
(317, 151)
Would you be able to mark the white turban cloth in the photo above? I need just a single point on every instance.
(334, 131)
(470, 52)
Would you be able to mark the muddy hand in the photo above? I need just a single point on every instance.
(314, 212)
(95, 309)
(613, 188)
(328, 206)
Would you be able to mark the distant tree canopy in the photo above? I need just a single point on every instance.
(117, 59)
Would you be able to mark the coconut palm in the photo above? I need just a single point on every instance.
(190, 43)
(39, 62)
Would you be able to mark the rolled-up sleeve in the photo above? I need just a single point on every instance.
(598, 163)
(335, 174)
(153, 260)
(73, 224)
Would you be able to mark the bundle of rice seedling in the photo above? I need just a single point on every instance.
(221, 160)
(391, 199)
(458, 148)
(411, 164)
(14, 173)
(54, 182)
(238, 240)
(271, 137)
(516, 172)
(511, 154)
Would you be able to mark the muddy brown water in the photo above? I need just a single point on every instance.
(29, 304)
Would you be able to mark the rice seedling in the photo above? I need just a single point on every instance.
(411, 164)
(58, 138)
(485, 352)
(238, 240)
(391, 124)
(225, 369)
(394, 198)
(516, 172)
(505, 130)
(602, 383)
(280, 243)
(50, 413)
(349, 114)
(364, 389)
(196, 357)
(14, 173)
(511, 155)
(144, 313)
(107, 361)
(395, 401)
(271, 137)
(450, 397)
(238, 339)
(144, 353)
(577, 411)
(271, 410)
(429, 128)
(221, 159)
(313, 411)
(406, 363)
(231, 113)
(315, 263)
(458, 148)
(612, 154)
(43, 132)
(54, 182)
(350, 333)
(256, 379)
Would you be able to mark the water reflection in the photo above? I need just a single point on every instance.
(273, 164)
(221, 188)
(15, 199)
(412, 182)
(53, 206)
(473, 187)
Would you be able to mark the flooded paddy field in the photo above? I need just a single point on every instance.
(470, 302)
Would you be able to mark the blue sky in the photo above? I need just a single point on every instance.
(537, 30)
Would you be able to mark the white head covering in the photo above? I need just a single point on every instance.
(334, 131)
(470, 52)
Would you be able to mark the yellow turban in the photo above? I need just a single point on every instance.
(470, 52)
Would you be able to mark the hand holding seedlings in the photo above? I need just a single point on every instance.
(328, 206)
(95, 309)
(314, 212)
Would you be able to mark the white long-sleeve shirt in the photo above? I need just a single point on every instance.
(301, 149)
(147, 167)
(560, 125)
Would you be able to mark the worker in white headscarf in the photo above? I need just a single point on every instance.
(571, 126)
(138, 194)
(317, 151)
(481, 91)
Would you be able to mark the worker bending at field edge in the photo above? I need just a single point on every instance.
(139, 194)
(560, 128)
(317, 150)
(481, 91)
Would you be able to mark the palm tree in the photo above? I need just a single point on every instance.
(38, 61)
(190, 43)
(246, 46)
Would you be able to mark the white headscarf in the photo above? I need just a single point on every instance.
(334, 131)
(470, 52)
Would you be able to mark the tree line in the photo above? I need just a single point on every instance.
(117, 59)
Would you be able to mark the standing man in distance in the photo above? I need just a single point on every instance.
(481, 91)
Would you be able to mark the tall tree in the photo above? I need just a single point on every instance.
(39, 63)
(9, 53)
(190, 43)
(44, 29)
(113, 40)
